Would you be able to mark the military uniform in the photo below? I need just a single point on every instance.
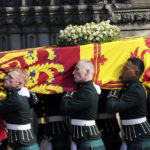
(133, 111)
(81, 105)
(108, 125)
(51, 124)
(148, 107)
(15, 111)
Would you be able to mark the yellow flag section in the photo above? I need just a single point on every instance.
(109, 59)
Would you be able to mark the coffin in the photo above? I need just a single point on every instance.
(50, 68)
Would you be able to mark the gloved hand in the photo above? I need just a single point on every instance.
(33, 100)
(113, 93)
(68, 94)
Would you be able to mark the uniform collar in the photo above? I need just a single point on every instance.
(23, 91)
(86, 83)
(131, 82)
(9, 92)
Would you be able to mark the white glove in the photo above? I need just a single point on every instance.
(113, 93)
(68, 94)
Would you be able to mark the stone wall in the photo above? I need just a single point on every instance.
(26, 24)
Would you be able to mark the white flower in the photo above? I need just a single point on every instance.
(75, 37)
(73, 31)
(61, 31)
(65, 31)
(79, 29)
(97, 39)
(85, 37)
(90, 38)
(88, 33)
(80, 35)
(69, 39)
(84, 30)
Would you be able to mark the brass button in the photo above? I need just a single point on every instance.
(44, 115)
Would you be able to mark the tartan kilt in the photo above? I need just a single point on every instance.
(60, 143)
(30, 147)
(91, 145)
(3, 134)
(144, 144)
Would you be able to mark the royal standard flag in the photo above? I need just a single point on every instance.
(50, 68)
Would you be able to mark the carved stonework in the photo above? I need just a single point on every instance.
(117, 13)
(44, 18)
(124, 1)
(125, 18)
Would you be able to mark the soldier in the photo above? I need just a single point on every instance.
(3, 135)
(53, 132)
(108, 125)
(148, 106)
(81, 105)
(132, 106)
(15, 110)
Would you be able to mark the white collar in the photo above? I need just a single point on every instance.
(24, 92)
(97, 87)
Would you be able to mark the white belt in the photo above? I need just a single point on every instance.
(18, 126)
(82, 122)
(55, 118)
(133, 121)
(106, 116)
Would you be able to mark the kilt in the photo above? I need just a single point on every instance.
(91, 145)
(144, 144)
(29, 147)
(112, 141)
(3, 145)
(61, 144)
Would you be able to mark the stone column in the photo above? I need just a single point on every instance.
(43, 39)
(14, 41)
(24, 2)
(4, 42)
(51, 2)
(54, 2)
(53, 38)
(81, 2)
(31, 40)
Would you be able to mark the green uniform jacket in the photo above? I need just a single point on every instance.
(15, 109)
(131, 105)
(82, 104)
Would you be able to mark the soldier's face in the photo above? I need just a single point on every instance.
(79, 72)
(129, 72)
(12, 80)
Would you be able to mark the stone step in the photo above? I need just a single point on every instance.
(133, 1)
(141, 1)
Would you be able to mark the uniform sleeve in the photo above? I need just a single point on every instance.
(148, 103)
(75, 103)
(127, 101)
(9, 104)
